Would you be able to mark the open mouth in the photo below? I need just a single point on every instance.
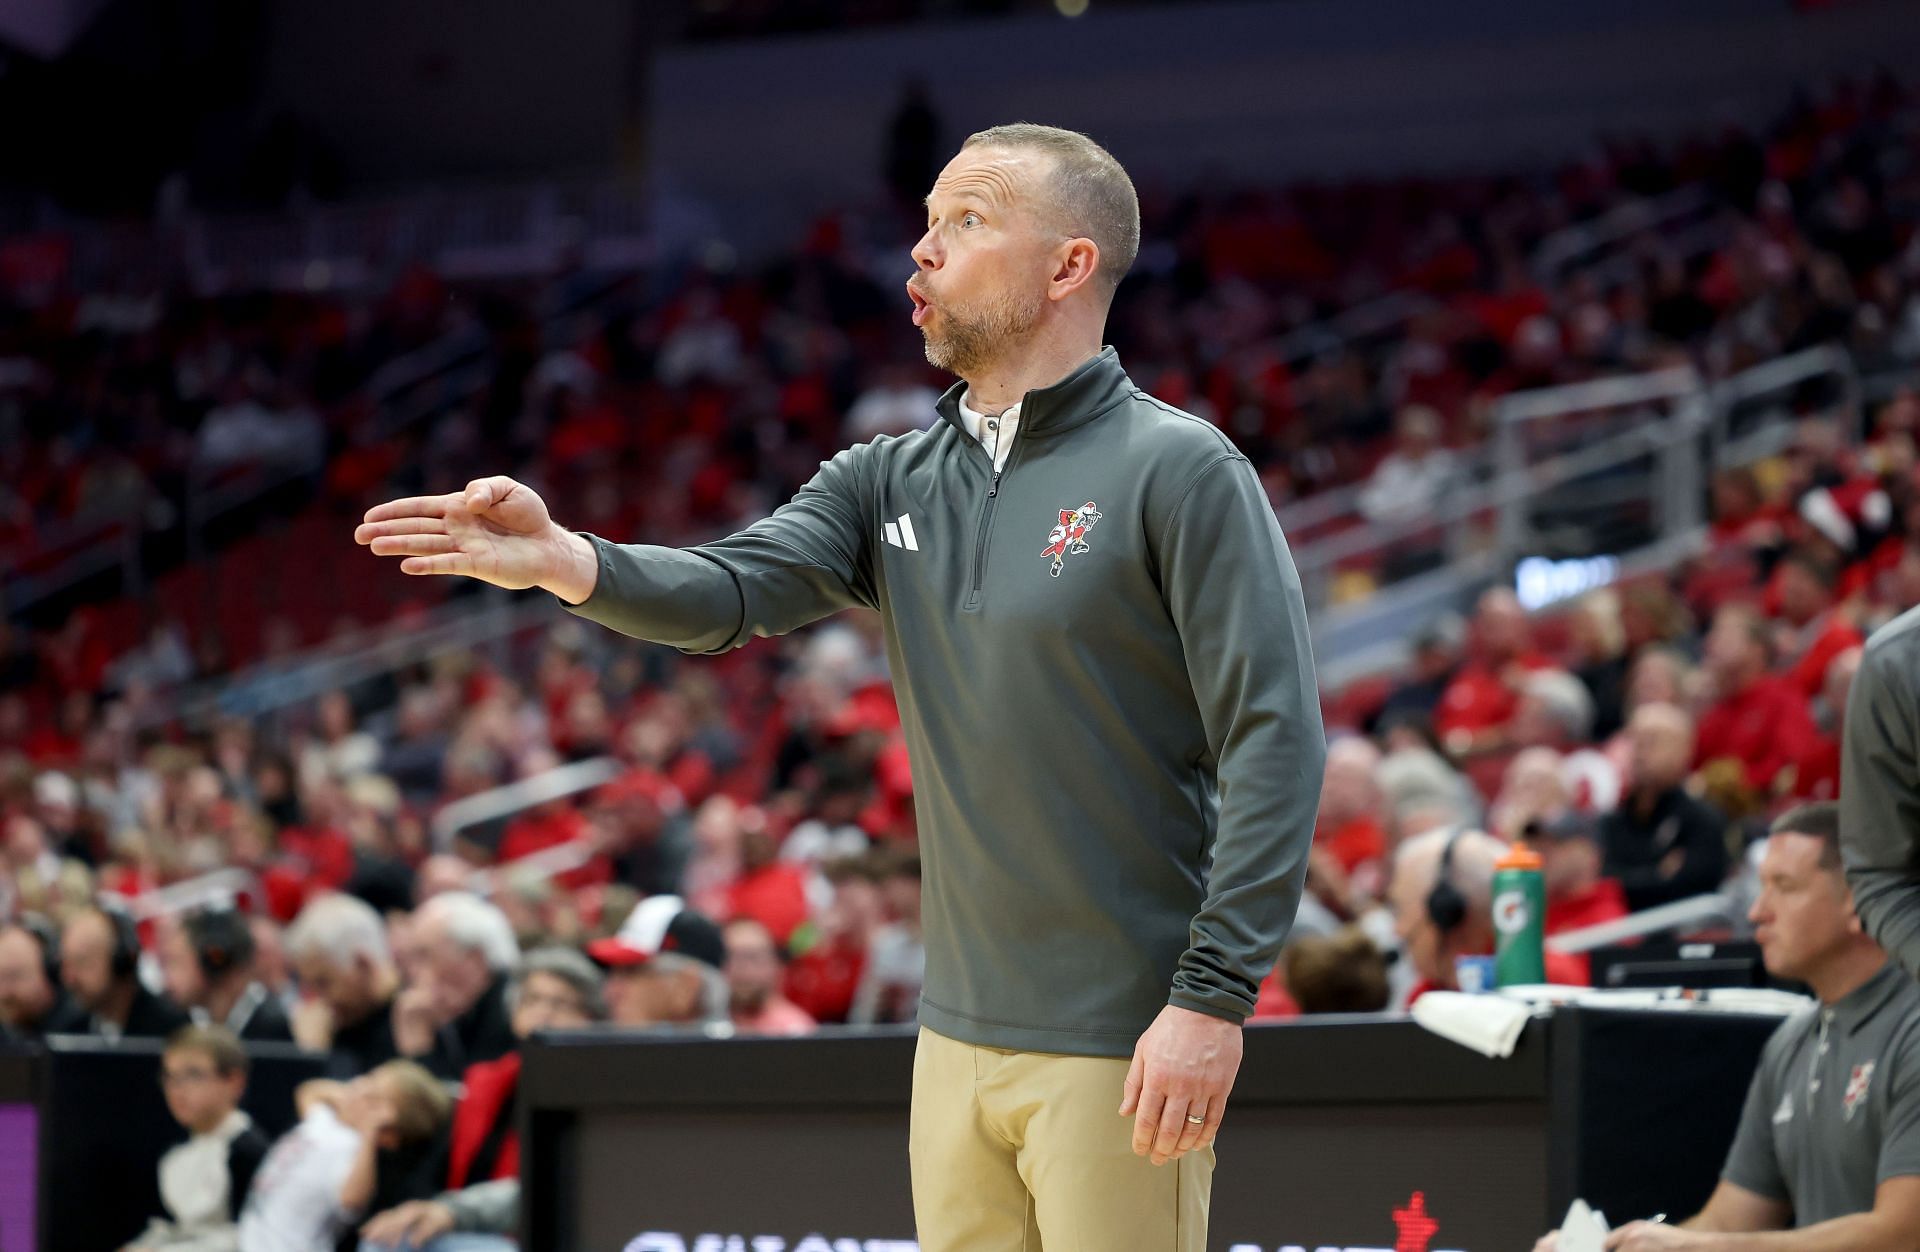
(921, 306)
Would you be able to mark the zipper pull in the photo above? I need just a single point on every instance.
(993, 489)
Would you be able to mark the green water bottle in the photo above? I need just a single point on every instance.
(1519, 918)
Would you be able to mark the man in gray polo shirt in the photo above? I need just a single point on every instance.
(1828, 1149)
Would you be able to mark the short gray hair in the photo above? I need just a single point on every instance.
(1091, 193)
(340, 928)
(473, 925)
(570, 967)
(1565, 699)
(1418, 779)
(1471, 867)
(716, 997)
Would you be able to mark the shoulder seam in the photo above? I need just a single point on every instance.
(1181, 503)
(1185, 416)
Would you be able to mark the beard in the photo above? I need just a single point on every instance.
(972, 338)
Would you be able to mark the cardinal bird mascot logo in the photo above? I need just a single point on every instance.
(1070, 536)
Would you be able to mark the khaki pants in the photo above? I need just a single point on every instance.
(1027, 1152)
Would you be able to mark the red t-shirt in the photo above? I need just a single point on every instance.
(1275, 1001)
(1355, 843)
(823, 979)
(536, 833)
(1479, 699)
(1809, 673)
(1816, 775)
(775, 896)
(1766, 727)
(1605, 901)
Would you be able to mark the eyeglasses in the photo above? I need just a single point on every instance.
(186, 1077)
(555, 1004)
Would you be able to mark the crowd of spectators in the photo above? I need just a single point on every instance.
(752, 865)
(696, 395)
(1641, 737)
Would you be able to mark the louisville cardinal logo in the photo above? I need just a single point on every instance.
(1857, 1084)
(1070, 536)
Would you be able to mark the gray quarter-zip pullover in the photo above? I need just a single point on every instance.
(1102, 663)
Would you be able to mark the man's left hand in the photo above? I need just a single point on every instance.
(1184, 1064)
(1651, 1237)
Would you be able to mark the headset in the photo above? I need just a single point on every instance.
(126, 941)
(222, 940)
(41, 931)
(1446, 905)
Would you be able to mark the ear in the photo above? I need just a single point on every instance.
(1075, 262)
(1846, 902)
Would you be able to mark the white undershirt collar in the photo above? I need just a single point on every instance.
(997, 442)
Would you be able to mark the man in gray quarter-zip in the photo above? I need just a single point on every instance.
(1100, 651)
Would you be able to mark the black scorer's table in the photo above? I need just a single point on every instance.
(1343, 1132)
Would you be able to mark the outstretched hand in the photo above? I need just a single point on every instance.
(497, 531)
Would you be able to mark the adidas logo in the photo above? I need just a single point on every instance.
(900, 534)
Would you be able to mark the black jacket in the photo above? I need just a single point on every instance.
(482, 1033)
(363, 1045)
(244, 1155)
(266, 1022)
(149, 1017)
(64, 1017)
(1636, 844)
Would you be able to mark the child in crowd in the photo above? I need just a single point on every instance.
(321, 1176)
(204, 1181)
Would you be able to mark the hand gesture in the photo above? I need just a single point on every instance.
(368, 1110)
(497, 531)
(416, 1020)
(413, 1224)
(312, 1022)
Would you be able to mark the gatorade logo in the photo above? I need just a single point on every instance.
(1510, 912)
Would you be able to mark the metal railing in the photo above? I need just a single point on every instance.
(1672, 444)
(1586, 241)
(541, 866)
(1652, 461)
(1641, 481)
(475, 231)
(217, 889)
(1715, 909)
(270, 686)
(504, 801)
(1729, 445)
